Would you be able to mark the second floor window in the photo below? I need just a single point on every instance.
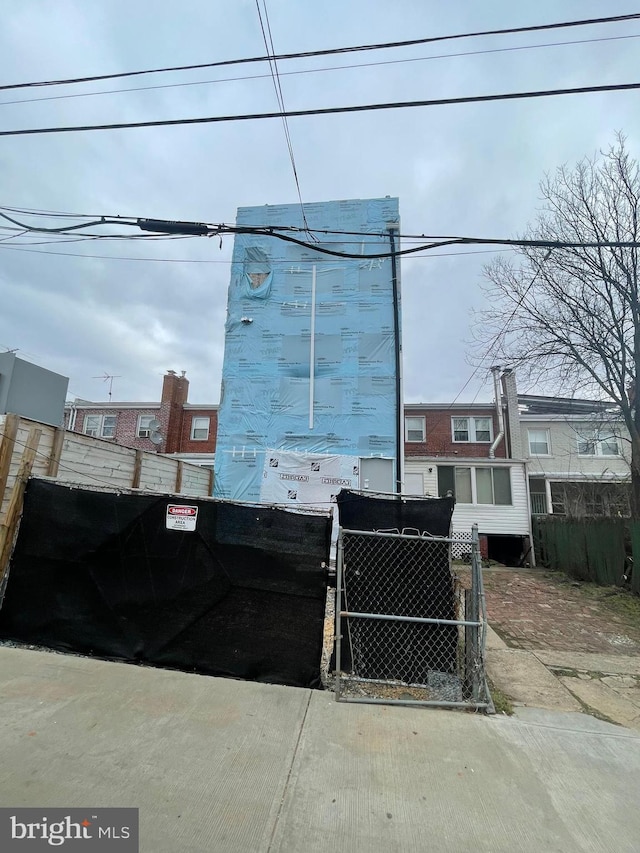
(414, 429)
(144, 425)
(539, 442)
(199, 429)
(593, 442)
(472, 429)
(100, 426)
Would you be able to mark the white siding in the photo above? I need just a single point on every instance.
(507, 520)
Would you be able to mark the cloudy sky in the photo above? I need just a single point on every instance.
(133, 309)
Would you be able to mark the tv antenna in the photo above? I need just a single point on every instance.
(108, 377)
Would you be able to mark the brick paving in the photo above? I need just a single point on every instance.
(532, 611)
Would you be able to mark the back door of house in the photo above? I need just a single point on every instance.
(376, 474)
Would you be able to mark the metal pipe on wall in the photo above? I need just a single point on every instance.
(392, 227)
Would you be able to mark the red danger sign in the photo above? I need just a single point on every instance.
(182, 510)
(181, 517)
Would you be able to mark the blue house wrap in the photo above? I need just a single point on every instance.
(309, 361)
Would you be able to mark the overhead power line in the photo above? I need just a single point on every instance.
(283, 261)
(201, 229)
(329, 52)
(358, 108)
(489, 352)
(275, 76)
(327, 68)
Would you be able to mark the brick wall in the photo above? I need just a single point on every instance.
(189, 445)
(127, 426)
(439, 436)
(175, 391)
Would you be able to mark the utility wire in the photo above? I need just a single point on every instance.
(346, 67)
(328, 52)
(358, 108)
(287, 261)
(273, 66)
(501, 332)
(202, 230)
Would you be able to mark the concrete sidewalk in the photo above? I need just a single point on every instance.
(217, 765)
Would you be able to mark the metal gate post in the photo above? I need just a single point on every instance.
(338, 618)
(474, 614)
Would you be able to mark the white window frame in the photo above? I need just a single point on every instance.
(144, 431)
(422, 428)
(474, 487)
(92, 431)
(598, 439)
(98, 430)
(471, 429)
(103, 430)
(195, 429)
(548, 441)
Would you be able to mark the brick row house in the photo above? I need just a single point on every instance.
(172, 426)
(503, 461)
(474, 452)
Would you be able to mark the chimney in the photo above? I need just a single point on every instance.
(510, 392)
(175, 391)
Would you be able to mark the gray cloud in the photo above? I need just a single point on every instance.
(470, 169)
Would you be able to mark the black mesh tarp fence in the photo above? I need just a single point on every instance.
(402, 577)
(98, 573)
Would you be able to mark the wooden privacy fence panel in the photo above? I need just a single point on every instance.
(590, 549)
(70, 457)
(634, 533)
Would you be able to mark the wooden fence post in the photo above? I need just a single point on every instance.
(179, 476)
(137, 470)
(9, 524)
(7, 445)
(56, 452)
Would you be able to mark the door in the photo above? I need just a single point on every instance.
(376, 475)
(414, 484)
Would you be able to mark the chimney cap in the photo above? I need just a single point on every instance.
(171, 372)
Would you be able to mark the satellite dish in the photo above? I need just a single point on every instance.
(156, 437)
(154, 425)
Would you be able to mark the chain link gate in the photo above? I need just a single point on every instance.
(408, 629)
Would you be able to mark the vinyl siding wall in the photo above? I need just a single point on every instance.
(501, 520)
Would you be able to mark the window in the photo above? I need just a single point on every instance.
(92, 425)
(100, 426)
(462, 491)
(539, 442)
(472, 429)
(593, 442)
(199, 429)
(144, 425)
(109, 426)
(414, 429)
(476, 485)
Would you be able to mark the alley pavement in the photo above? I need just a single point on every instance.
(218, 765)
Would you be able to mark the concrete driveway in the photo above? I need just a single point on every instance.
(218, 765)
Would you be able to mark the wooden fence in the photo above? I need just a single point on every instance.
(28, 448)
(589, 549)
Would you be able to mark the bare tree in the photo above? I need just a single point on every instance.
(570, 317)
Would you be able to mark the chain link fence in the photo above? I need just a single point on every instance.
(408, 630)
